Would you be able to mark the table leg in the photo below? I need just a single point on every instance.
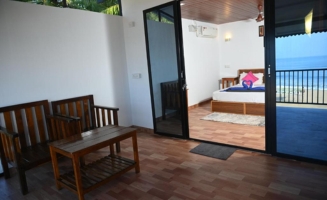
(55, 167)
(78, 179)
(136, 153)
(112, 151)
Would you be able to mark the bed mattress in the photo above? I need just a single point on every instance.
(248, 97)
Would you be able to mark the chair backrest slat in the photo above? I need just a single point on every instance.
(30, 125)
(103, 117)
(71, 107)
(115, 115)
(40, 123)
(20, 128)
(109, 118)
(79, 113)
(8, 121)
(63, 109)
(97, 113)
(86, 114)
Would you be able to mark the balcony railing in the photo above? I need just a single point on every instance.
(305, 86)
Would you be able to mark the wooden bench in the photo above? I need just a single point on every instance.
(25, 131)
(92, 116)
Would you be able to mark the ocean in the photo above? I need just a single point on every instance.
(313, 74)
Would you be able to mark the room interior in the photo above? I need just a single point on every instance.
(230, 44)
(103, 62)
(237, 45)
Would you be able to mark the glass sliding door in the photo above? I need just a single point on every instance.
(166, 69)
(301, 78)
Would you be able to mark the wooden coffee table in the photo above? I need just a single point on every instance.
(84, 178)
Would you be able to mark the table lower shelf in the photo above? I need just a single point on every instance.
(98, 172)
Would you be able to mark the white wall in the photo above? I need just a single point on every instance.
(137, 60)
(201, 63)
(244, 51)
(55, 53)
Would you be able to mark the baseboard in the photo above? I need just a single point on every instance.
(200, 103)
(143, 130)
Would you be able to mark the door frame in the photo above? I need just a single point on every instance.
(270, 66)
(270, 62)
(180, 68)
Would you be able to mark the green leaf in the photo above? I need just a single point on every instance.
(112, 10)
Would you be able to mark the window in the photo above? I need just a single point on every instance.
(111, 7)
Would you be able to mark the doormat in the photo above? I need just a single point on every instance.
(213, 150)
(236, 118)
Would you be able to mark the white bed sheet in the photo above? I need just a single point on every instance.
(249, 97)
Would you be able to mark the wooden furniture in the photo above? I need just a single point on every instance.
(240, 107)
(92, 116)
(85, 178)
(170, 97)
(24, 135)
(228, 80)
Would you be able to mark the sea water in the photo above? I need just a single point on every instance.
(310, 72)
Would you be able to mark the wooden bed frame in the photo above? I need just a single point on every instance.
(240, 107)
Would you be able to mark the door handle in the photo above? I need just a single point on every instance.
(184, 86)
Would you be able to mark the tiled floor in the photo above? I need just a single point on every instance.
(227, 133)
(169, 171)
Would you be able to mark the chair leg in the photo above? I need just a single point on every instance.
(118, 147)
(5, 168)
(4, 162)
(22, 181)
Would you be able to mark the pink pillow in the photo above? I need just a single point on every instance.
(250, 77)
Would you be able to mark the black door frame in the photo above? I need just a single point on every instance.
(270, 72)
(270, 98)
(180, 67)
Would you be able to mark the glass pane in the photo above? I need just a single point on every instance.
(301, 78)
(164, 71)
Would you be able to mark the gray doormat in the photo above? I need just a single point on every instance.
(213, 150)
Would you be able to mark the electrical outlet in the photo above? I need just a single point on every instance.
(227, 66)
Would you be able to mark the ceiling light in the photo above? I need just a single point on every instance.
(260, 16)
(308, 22)
(182, 4)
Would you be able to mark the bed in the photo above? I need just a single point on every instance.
(251, 103)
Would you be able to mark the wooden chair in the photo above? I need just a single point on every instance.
(25, 131)
(92, 116)
(170, 98)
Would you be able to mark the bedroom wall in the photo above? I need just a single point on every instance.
(55, 53)
(201, 63)
(244, 51)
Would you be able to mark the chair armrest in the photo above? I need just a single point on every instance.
(105, 107)
(8, 150)
(113, 121)
(64, 117)
(8, 133)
